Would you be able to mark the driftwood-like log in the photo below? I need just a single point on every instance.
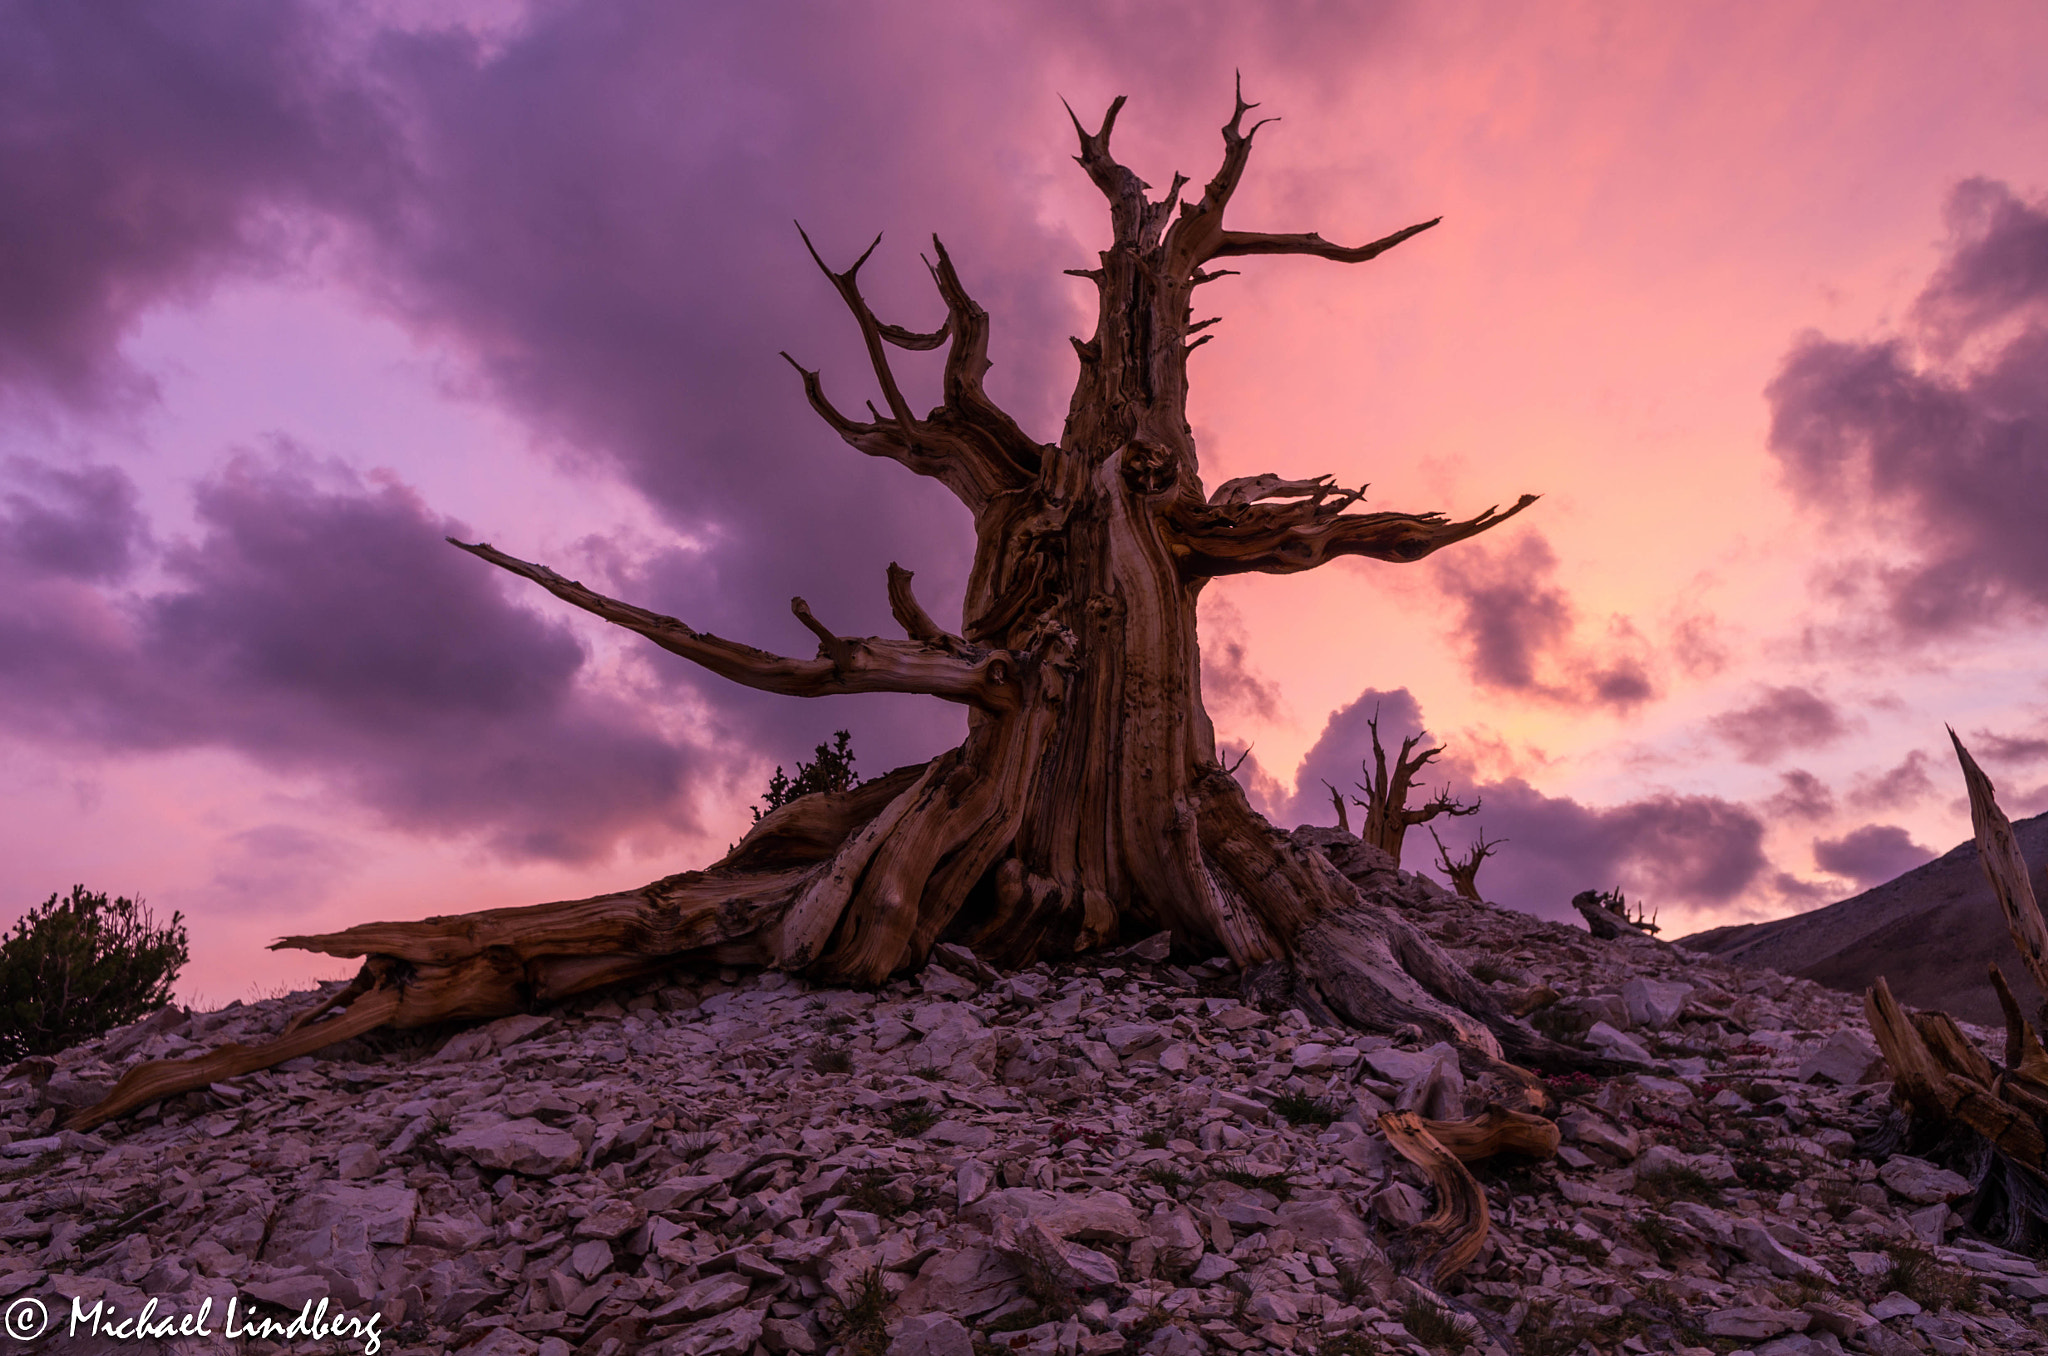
(1496, 1130)
(1940, 1076)
(1087, 804)
(158, 1079)
(1603, 922)
(1451, 1237)
(2006, 869)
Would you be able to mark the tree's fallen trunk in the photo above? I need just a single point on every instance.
(1945, 1083)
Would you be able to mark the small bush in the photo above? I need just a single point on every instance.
(79, 966)
(831, 769)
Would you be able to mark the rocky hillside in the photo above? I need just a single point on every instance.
(1108, 1155)
(1930, 933)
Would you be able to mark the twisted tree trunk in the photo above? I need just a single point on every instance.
(1087, 802)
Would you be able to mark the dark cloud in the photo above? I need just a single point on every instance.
(320, 624)
(83, 524)
(1870, 855)
(593, 207)
(1344, 749)
(1894, 787)
(1997, 264)
(1781, 720)
(1519, 629)
(1667, 849)
(145, 150)
(1230, 685)
(2023, 749)
(1942, 431)
(1802, 796)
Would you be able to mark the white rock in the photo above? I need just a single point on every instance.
(1654, 1004)
(523, 1146)
(1920, 1181)
(1618, 1045)
(932, 1335)
(1848, 1057)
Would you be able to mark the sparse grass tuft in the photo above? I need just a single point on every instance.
(1302, 1109)
(1679, 1184)
(862, 1325)
(1429, 1325)
(1920, 1277)
(912, 1119)
(1153, 1139)
(1281, 1184)
(877, 1192)
(831, 1058)
(1159, 1174)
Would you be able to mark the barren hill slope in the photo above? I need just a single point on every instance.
(1930, 933)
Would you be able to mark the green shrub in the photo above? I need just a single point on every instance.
(830, 769)
(73, 968)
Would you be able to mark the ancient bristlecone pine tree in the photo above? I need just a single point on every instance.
(1464, 871)
(1388, 815)
(1087, 803)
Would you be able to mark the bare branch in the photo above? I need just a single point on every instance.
(871, 329)
(1269, 538)
(1113, 179)
(1232, 244)
(830, 644)
(911, 616)
(1194, 237)
(979, 677)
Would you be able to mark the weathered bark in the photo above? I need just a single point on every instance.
(1945, 1083)
(1456, 1230)
(1496, 1130)
(1388, 816)
(1088, 802)
(1606, 921)
(1464, 871)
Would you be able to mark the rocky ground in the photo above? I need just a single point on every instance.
(1111, 1154)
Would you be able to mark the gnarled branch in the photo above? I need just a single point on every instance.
(968, 443)
(1240, 243)
(977, 677)
(1268, 538)
(915, 621)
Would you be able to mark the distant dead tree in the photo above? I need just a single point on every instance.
(1388, 816)
(1464, 871)
(1607, 916)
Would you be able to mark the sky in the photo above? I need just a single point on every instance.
(1756, 299)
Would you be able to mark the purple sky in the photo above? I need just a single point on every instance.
(1757, 301)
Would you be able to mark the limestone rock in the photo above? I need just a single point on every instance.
(1921, 1182)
